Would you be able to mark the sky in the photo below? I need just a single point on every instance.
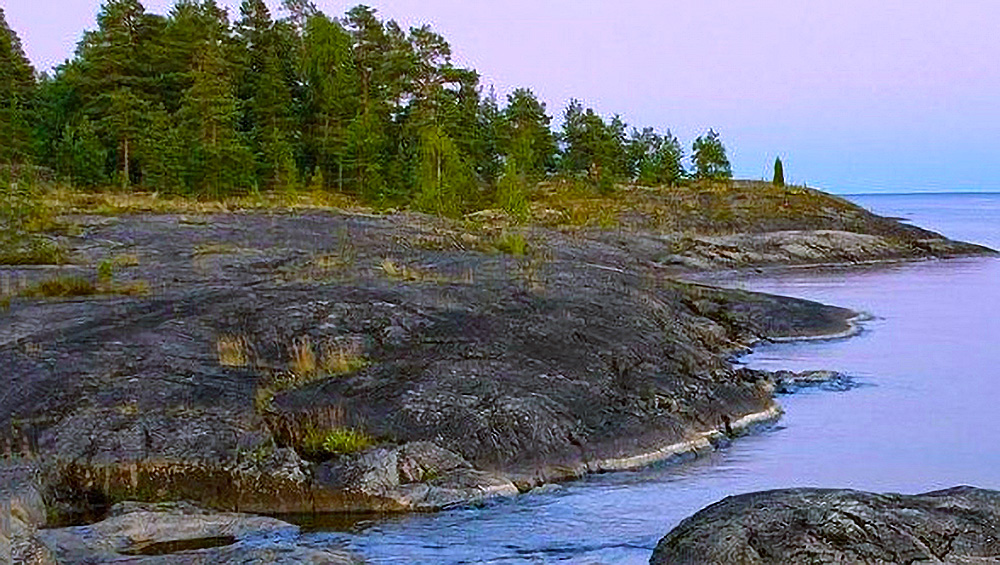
(854, 95)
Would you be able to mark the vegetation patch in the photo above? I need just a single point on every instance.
(512, 243)
(305, 366)
(61, 287)
(335, 441)
(30, 249)
(68, 286)
(232, 351)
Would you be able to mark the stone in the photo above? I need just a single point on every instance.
(958, 525)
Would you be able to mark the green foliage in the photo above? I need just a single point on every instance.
(593, 147)
(320, 442)
(512, 243)
(80, 156)
(17, 91)
(655, 159)
(512, 193)
(779, 173)
(190, 103)
(709, 158)
(105, 271)
(526, 137)
(444, 182)
(22, 214)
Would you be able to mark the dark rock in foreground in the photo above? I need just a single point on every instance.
(959, 525)
(181, 533)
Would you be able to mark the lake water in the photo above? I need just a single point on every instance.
(925, 416)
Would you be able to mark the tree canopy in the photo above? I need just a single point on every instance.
(709, 157)
(203, 103)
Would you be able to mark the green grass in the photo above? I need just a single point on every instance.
(336, 441)
(512, 244)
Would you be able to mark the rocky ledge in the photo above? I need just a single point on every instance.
(958, 525)
(331, 362)
(174, 533)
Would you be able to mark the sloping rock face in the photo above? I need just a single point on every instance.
(486, 369)
(959, 525)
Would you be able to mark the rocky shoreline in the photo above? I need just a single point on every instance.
(329, 362)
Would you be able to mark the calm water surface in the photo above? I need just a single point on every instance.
(924, 418)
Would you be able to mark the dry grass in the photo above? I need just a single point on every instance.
(697, 207)
(60, 287)
(342, 359)
(232, 351)
(31, 250)
(111, 202)
(125, 260)
(216, 248)
(305, 367)
(404, 273)
(303, 360)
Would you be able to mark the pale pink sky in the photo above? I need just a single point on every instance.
(856, 95)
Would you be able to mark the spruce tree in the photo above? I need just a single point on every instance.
(330, 98)
(779, 173)
(527, 137)
(219, 163)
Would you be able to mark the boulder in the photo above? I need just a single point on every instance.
(959, 525)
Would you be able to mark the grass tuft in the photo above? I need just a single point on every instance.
(60, 287)
(303, 360)
(232, 351)
(335, 441)
(512, 244)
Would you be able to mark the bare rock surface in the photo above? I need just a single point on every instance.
(185, 534)
(467, 366)
(958, 525)
(471, 370)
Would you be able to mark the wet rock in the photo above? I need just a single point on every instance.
(415, 476)
(959, 525)
(787, 382)
(185, 534)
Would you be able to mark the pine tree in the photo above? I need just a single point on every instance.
(655, 159)
(17, 92)
(594, 148)
(268, 101)
(219, 163)
(113, 81)
(709, 157)
(330, 97)
(527, 136)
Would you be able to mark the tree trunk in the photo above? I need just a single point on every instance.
(128, 177)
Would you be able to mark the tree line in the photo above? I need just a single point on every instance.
(192, 103)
